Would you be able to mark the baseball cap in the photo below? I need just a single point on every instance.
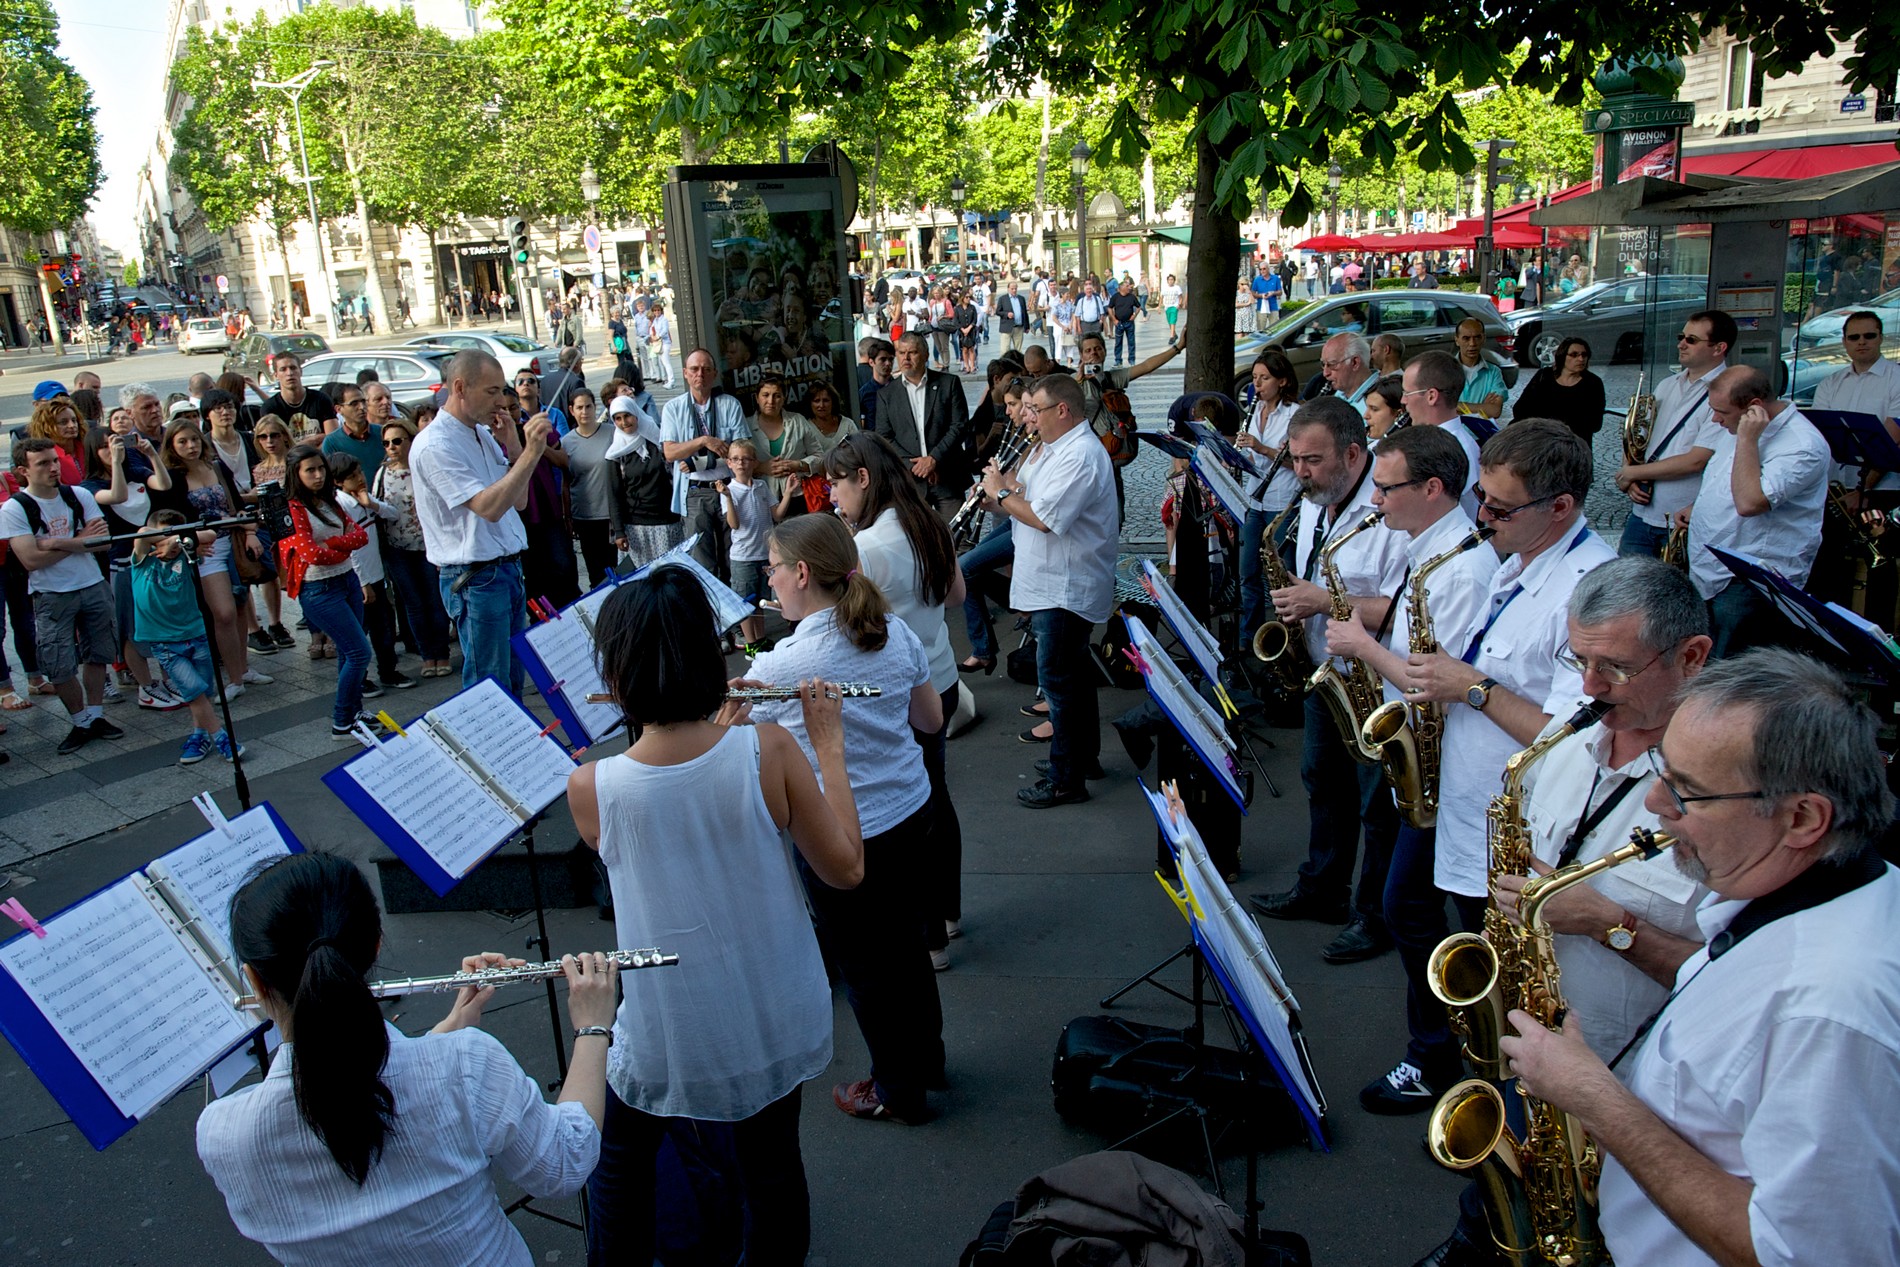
(47, 389)
(180, 409)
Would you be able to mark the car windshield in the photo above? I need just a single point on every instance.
(514, 342)
(1583, 296)
(301, 343)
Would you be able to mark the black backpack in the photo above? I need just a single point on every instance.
(36, 522)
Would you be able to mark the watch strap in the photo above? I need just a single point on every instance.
(592, 1031)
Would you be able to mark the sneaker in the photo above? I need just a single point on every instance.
(126, 678)
(301, 624)
(157, 698)
(346, 732)
(370, 689)
(953, 929)
(940, 960)
(232, 690)
(103, 729)
(261, 643)
(1402, 1091)
(1045, 795)
(197, 747)
(225, 749)
(112, 694)
(281, 636)
(76, 738)
(253, 678)
(396, 681)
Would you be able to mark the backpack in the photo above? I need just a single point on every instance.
(1117, 426)
(36, 522)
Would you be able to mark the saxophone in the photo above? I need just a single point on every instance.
(1479, 976)
(1408, 736)
(1281, 645)
(1353, 696)
(1541, 1191)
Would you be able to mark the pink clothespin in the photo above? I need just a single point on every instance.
(1134, 658)
(557, 686)
(553, 612)
(13, 910)
(547, 729)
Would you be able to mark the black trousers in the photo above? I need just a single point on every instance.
(1342, 795)
(943, 885)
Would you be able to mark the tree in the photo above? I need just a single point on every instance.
(49, 148)
(131, 275)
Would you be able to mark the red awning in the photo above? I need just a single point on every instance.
(1416, 242)
(1792, 164)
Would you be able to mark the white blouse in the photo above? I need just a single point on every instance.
(886, 556)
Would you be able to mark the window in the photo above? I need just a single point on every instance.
(1744, 89)
(1404, 314)
(398, 369)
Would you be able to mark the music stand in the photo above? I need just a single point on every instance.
(1861, 643)
(1856, 439)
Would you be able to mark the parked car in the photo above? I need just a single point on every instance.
(412, 374)
(514, 351)
(1827, 327)
(203, 334)
(909, 279)
(1617, 318)
(251, 354)
(1427, 320)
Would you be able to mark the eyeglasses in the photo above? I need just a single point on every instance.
(263, 436)
(1614, 674)
(1386, 490)
(1416, 391)
(396, 443)
(1505, 516)
(1577, 352)
(1858, 338)
(1333, 365)
(1682, 803)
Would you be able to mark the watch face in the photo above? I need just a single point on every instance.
(1621, 938)
(1476, 696)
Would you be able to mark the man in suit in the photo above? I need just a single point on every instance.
(1012, 318)
(923, 413)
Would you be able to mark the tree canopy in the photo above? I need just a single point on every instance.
(49, 148)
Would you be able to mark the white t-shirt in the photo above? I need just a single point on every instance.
(1070, 485)
(72, 572)
(450, 463)
(885, 555)
(753, 504)
(1171, 296)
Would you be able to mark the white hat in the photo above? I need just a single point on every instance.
(181, 408)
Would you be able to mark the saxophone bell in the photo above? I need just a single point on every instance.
(1468, 1132)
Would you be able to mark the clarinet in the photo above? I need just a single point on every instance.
(964, 524)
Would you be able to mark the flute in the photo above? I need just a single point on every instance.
(763, 694)
(502, 975)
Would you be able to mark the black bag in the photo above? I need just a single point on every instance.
(1020, 664)
(1119, 1075)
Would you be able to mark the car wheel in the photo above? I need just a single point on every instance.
(1628, 348)
(1543, 349)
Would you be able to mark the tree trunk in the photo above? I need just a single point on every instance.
(372, 272)
(1213, 265)
(877, 216)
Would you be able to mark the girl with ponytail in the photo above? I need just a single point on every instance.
(876, 933)
(364, 1146)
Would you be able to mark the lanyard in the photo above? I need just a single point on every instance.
(1322, 529)
(1594, 819)
(1471, 653)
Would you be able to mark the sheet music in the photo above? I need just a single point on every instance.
(728, 608)
(1201, 645)
(208, 871)
(435, 800)
(567, 650)
(1220, 482)
(531, 767)
(1196, 717)
(137, 1010)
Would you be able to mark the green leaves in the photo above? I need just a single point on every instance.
(48, 145)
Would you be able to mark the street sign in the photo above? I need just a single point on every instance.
(224, 284)
(1418, 219)
(1853, 105)
(591, 236)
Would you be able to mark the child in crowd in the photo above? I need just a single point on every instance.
(166, 618)
(379, 614)
(750, 514)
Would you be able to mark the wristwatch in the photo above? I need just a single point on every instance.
(1480, 695)
(591, 1031)
(1621, 936)
(1004, 494)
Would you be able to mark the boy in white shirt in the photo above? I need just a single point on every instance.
(750, 514)
(379, 615)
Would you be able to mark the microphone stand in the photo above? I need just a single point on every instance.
(187, 535)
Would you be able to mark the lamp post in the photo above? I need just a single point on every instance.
(1079, 166)
(958, 192)
(1333, 176)
(596, 255)
(294, 89)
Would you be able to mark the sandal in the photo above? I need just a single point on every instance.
(985, 665)
(11, 701)
(43, 687)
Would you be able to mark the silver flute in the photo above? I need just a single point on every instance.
(765, 694)
(500, 975)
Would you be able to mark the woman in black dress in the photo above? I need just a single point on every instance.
(1566, 391)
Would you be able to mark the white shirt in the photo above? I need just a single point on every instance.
(1610, 995)
(753, 503)
(70, 573)
(886, 765)
(1519, 650)
(1454, 593)
(681, 419)
(1369, 565)
(1468, 443)
(1685, 400)
(914, 393)
(1269, 427)
(1780, 1062)
(450, 463)
(461, 1103)
(1876, 392)
(886, 556)
(1070, 486)
(1171, 296)
(1090, 308)
(1794, 468)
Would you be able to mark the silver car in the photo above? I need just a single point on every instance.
(514, 351)
(411, 374)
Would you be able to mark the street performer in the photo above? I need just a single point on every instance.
(1745, 1124)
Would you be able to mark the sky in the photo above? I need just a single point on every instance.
(117, 48)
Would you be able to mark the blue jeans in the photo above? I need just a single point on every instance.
(1066, 673)
(1343, 794)
(334, 607)
(1415, 916)
(1253, 592)
(418, 589)
(1642, 539)
(488, 611)
(1125, 328)
(981, 565)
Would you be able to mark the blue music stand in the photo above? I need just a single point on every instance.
(1864, 648)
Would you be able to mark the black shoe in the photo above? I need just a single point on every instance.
(76, 738)
(395, 681)
(370, 689)
(1359, 940)
(1043, 767)
(1046, 795)
(261, 643)
(1402, 1091)
(1297, 904)
(1030, 736)
(281, 636)
(1030, 710)
(1459, 1251)
(103, 729)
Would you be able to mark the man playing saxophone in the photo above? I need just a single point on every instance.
(1750, 1121)
(1637, 633)
(1417, 477)
(1326, 443)
(1501, 683)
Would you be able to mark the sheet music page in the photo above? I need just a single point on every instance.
(1200, 644)
(208, 871)
(1181, 699)
(529, 765)
(129, 1000)
(441, 805)
(728, 608)
(1220, 482)
(567, 649)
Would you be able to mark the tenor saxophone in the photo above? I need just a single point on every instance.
(1408, 736)
(1280, 645)
(1540, 1191)
(1351, 697)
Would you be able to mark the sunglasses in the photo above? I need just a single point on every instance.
(1505, 516)
(1859, 338)
(395, 444)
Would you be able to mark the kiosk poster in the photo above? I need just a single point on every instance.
(765, 254)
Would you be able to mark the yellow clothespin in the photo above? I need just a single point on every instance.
(1226, 702)
(1178, 897)
(390, 723)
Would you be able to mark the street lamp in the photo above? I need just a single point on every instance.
(958, 192)
(590, 190)
(1079, 167)
(1333, 176)
(294, 89)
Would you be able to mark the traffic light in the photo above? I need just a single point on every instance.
(518, 239)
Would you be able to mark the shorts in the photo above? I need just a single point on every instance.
(748, 579)
(1172, 313)
(122, 608)
(217, 558)
(187, 666)
(85, 615)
